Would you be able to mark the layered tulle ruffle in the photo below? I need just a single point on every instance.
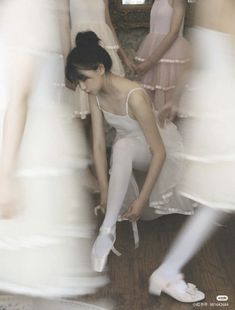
(45, 248)
(206, 124)
(164, 199)
(162, 78)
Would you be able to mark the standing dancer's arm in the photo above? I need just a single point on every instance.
(121, 51)
(22, 72)
(64, 31)
(176, 22)
(64, 27)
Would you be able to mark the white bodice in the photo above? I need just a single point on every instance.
(124, 125)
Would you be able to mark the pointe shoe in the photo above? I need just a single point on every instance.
(158, 284)
(99, 263)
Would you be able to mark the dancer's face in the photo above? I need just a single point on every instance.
(92, 81)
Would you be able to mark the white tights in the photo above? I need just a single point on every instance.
(127, 154)
(193, 235)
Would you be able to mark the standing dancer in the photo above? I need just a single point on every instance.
(164, 54)
(207, 126)
(46, 229)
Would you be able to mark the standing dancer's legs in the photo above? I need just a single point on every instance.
(193, 235)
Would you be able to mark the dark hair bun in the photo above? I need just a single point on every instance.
(86, 39)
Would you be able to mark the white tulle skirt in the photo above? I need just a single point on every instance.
(45, 249)
(206, 122)
(164, 198)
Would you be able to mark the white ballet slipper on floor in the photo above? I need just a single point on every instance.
(157, 285)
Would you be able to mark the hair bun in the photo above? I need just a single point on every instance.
(86, 39)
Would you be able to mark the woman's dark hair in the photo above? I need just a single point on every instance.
(87, 55)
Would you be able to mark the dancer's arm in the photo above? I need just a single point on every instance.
(13, 129)
(64, 31)
(121, 52)
(141, 109)
(64, 27)
(99, 149)
(176, 21)
(216, 14)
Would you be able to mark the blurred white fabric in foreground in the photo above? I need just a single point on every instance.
(45, 249)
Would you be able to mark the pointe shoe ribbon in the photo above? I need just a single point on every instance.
(133, 224)
(134, 230)
(135, 234)
(107, 231)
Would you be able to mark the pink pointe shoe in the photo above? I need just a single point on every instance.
(157, 285)
(99, 262)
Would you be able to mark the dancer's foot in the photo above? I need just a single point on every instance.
(104, 243)
(175, 287)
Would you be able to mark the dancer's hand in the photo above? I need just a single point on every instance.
(100, 207)
(103, 203)
(130, 65)
(142, 68)
(134, 211)
(8, 198)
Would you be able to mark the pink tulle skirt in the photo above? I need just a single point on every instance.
(162, 78)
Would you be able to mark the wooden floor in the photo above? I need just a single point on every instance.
(212, 269)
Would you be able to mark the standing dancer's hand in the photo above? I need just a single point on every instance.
(134, 211)
(130, 65)
(142, 68)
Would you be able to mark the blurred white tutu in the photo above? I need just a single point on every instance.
(207, 122)
(45, 250)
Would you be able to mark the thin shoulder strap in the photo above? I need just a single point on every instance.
(98, 103)
(128, 96)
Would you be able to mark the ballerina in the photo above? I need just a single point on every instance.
(164, 55)
(46, 227)
(206, 112)
(138, 144)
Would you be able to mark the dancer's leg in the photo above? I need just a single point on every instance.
(126, 154)
(193, 235)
